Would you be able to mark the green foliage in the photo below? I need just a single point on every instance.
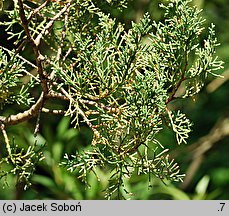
(12, 90)
(21, 163)
(118, 82)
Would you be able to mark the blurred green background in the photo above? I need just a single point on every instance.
(204, 159)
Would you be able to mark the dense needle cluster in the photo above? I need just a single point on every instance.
(117, 81)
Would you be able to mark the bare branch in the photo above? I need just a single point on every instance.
(50, 24)
(56, 112)
(36, 50)
(25, 22)
(2, 126)
(26, 115)
(63, 34)
(37, 10)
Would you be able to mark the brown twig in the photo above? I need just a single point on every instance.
(26, 115)
(36, 50)
(2, 126)
(50, 24)
(56, 112)
(37, 10)
(67, 97)
(183, 78)
(63, 34)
